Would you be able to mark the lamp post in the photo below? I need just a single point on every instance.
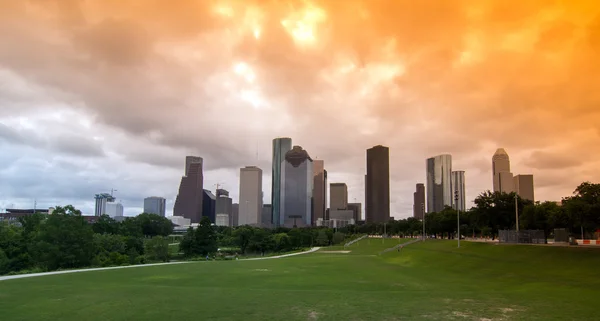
(457, 216)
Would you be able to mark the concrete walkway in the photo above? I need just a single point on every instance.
(21, 276)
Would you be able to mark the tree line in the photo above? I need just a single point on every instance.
(64, 240)
(206, 239)
(495, 211)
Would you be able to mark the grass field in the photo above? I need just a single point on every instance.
(425, 281)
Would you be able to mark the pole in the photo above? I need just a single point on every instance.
(423, 211)
(517, 212)
(457, 216)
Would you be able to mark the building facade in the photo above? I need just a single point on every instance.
(235, 214)
(114, 209)
(265, 217)
(209, 205)
(101, 200)
(250, 195)
(319, 190)
(222, 220)
(439, 183)
(223, 205)
(524, 187)
(502, 176)
(419, 201)
(188, 202)
(338, 196)
(458, 190)
(280, 147)
(357, 209)
(378, 185)
(155, 205)
(297, 187)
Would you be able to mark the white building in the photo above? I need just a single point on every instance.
(250, 206)
(114, 209)
(458, 188)
(180, 221)
(334, 223)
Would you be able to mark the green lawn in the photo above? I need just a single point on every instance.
(425, 281)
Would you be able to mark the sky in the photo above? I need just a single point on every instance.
(113, 94)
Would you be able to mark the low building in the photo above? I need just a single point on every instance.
(341, 215)
(180, 221)
(222, 219)
(335, 223)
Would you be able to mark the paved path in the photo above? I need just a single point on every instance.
(21, 276)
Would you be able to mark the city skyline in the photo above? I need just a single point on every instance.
(93, 106)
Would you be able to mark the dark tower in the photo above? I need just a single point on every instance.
(378, 185)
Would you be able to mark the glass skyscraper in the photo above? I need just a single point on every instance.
(439, 183)
(280, 147)
(296, 189)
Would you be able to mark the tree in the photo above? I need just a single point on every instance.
(322, 239)
(205, 238)
(187, 244)
(242, 236)
(583, 208)
(338, 238)
(497, 210)
(65, 240)
(106, 225)
(153, 224)
(157, 248)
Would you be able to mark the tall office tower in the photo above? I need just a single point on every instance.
(265, 217)
(338, 196)
(209, 205)
(101, 200)
(235, 214)
(297, 187)
(280, 147)
(357, 209)
(378, 185)
(114, 209)
(250, 195)
(524, 187)
(439, 183)
(189, 160)
(223, 207)
(503, 178)
(319, 190)
(458, 190)
(155, 205)
(419, 201)
(191, 191)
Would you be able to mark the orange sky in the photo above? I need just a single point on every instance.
(423, 77)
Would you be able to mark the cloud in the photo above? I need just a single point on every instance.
(116, 85)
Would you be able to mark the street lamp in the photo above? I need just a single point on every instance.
(457, 215)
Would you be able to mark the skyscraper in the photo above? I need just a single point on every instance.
(378, 185)
(265, 217)
(280, 147)
(524, 187)
(235, 210)
(101, 200)
(155, 205)
(114, 209)
(191, 192)
(250, 195)
(319, 190)
(356, 208)
(439, 183)
(458, 189)
(297, 187)
(223, 207)
(503, 178)
(338, 196)
(209, 205)
(419, 201)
